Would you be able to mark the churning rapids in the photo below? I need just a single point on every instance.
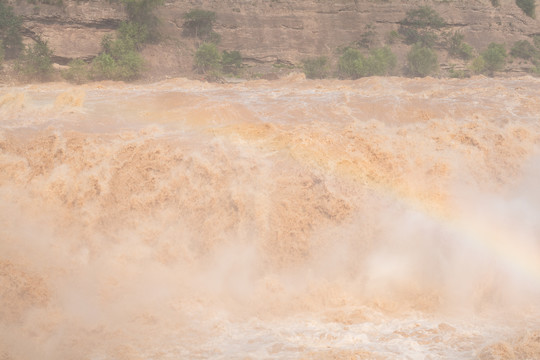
(383, 218)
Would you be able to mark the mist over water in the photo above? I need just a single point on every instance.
(383, 218)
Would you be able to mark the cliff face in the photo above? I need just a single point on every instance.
(73, 29)
(270, 32)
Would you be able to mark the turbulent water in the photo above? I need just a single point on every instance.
(384, 218)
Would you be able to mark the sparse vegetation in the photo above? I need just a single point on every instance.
(421, 61)
(1, 54)
(231, 61)
(120, 59)
(392, 37)
(316, 68)
(458, 48)
(524, 50)
(10, 32)
(528, 7)
(35, 62)
(367, 37)
(536, 69)
(47, 2)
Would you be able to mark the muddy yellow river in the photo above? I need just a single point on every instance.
(383, 218)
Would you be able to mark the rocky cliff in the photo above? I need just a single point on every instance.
(272, 35)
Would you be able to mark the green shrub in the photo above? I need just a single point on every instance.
(458, 48)
(524, 50)
(380, 62)
(418, 26)
(35, 61)
(367, 37)
(421, 61)
(352, 64)
(535, 70)
(141, 11)
(130, 66)
(118, 61)
(426, 38)
(231, 61)
(478, 66)
(1, 53)
(536, 41)
(77, 72)
(10, 31)
(207, 58)
(316, 68)
(47, 2)
(528, 7)
(495, 3)
(457, 74)
(423, 17)
(103, 67)
(199, 23)
(136, 34)
(494, 57)
(392, 37)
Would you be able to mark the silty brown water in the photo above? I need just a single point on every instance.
(383, 218)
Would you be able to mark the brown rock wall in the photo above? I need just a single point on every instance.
(269, 31)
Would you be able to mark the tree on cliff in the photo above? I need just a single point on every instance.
(10, 31)
(199, 23)
(141, 13)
